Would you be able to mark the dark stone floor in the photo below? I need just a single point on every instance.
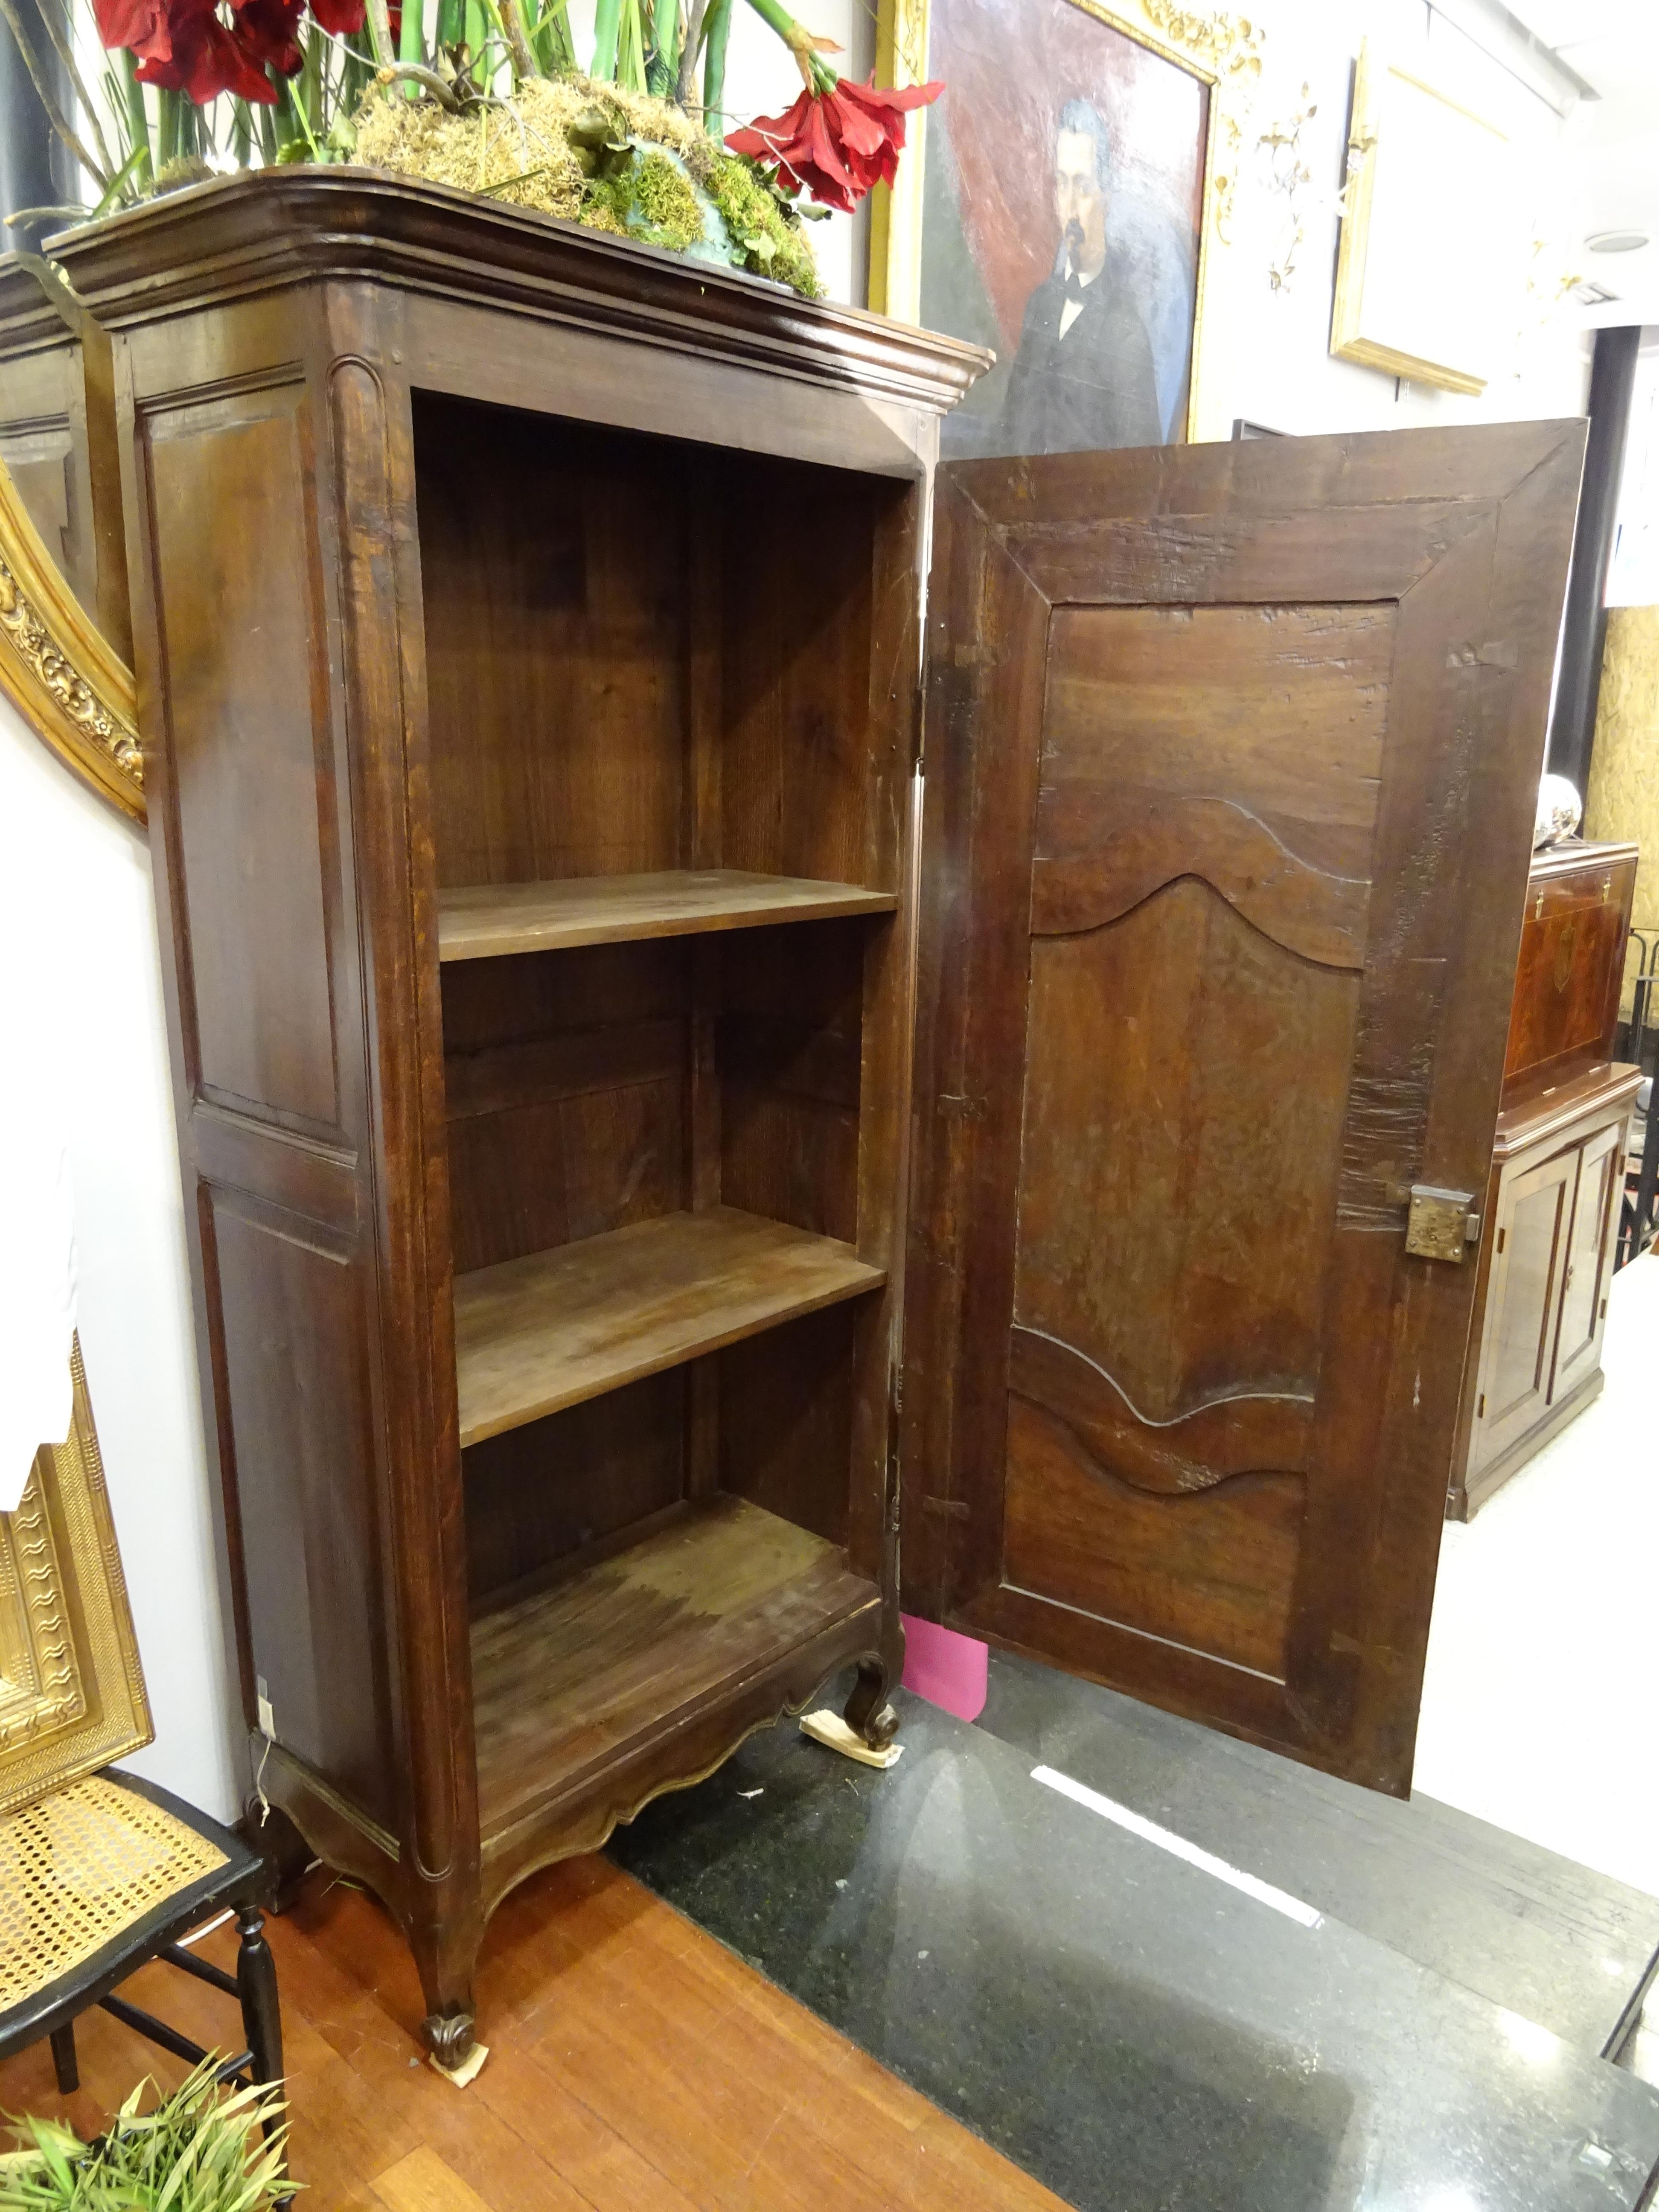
(1141, 2035)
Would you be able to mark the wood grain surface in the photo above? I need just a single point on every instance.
(480, 921)
(635, 2065)
(1232, 763)
(635, 1635)
(537, 1335)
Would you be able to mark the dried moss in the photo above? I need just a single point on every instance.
(521, 152)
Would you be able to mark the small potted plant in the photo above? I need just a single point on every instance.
(201, 2149)
(489, 95)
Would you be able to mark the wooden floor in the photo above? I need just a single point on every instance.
(635, 2066)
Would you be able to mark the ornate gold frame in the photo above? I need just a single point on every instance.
(69, 685)
(1349, 340)
(1223, 52)
(72, 1689)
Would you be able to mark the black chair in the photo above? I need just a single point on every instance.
(97, 1880)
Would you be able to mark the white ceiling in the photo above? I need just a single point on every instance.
(1612, 140)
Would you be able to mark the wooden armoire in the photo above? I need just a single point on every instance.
(662, 1188)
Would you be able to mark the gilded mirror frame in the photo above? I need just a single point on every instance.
(66, 680)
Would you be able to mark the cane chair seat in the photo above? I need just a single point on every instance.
(78, 1869)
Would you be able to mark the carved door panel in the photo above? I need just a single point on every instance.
(1523, 1302)
(1584, 1287)
(1230, 755)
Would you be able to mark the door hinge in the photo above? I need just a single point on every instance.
(1602, 1310)
(1441, 1224)
(1480, 1410)
(1503, 1238)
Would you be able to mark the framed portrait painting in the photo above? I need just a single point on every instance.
(1070, 189)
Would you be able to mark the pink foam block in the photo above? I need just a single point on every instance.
(945, 1668)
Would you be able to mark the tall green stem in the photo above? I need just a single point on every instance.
(554, 48)
(719, 22)
(170, 111)
(137, 116)
(412, 42)
(664, 61)
(778, 18)
(607, 18)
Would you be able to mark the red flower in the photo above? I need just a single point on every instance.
(836, 144)
(139, 25)
(342, 17)
(265, 30)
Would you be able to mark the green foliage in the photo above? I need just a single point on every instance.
(769, 237)
(198, 2151)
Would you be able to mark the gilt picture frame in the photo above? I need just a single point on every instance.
(1429, 244)
(1221, 56)
(72, 1696)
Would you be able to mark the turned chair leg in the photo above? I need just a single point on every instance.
(67, 2066)
(256, 1984)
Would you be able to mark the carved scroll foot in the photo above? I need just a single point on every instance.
(867, 1712)
(448, 2037)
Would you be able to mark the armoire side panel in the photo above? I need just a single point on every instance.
(255, 868)
(286, 1305)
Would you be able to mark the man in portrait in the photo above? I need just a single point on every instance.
(1082, 379)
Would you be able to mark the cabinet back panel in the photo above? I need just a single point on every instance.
(788, 1044)
(539, 1492)
(785, 1420)
(554, 570)
(565, 1087)
(795, 673)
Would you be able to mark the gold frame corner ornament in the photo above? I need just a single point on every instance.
(1223, 50)
(66, 680)
(72, 1695)
(1349, 341)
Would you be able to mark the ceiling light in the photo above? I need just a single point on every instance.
(1616, 241)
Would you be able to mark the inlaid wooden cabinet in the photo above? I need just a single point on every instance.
(663, 1190)
(1552, 1214)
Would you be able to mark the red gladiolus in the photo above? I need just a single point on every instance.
(835, 144)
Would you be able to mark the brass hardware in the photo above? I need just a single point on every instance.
(1503, 1238)
(1602, 1310)
(1480, 1410)
(1538, 906)
(1606, 889)
(1440, 1225)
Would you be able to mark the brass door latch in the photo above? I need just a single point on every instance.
(1441, 1224)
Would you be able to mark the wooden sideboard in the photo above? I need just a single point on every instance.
(641, 1157)
(1552, 1214)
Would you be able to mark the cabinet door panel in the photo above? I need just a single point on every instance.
(1523, 1303)
(1583, 1291)
(1216, 963)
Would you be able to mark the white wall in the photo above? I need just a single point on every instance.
(76, 906)
(1273, 348)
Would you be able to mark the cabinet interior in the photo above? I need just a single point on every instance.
(668, 877)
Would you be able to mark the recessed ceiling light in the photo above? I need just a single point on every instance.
(1616, 241)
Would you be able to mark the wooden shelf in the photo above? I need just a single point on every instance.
(535, 1334)
(480, 921)
(638, 1636)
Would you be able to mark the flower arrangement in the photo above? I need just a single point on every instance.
(488, 94)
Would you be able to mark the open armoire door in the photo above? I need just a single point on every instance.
(1230, 762)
